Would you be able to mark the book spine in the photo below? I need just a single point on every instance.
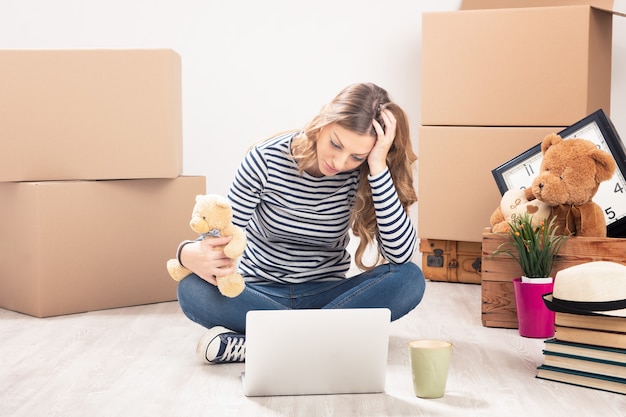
(606, 323)
(586, 364)
(582, 379)
(591, 337)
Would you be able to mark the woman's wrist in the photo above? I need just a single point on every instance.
(376, 169)
(180, 249)
(378, 173)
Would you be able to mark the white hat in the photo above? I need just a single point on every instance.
(592, 288)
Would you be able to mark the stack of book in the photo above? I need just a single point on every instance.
(588, 351)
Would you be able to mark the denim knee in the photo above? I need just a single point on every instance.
(413, 286)
(192, 298)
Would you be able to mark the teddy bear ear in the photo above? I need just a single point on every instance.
(198, 197)
(528, 193)
(605, 165)
(551, 139)
(222, 201)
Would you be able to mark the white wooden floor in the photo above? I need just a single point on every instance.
(140, 361)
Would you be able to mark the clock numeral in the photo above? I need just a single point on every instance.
(618, 188)
(610, 213)
(529, 170)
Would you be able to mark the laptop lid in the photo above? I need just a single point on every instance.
(303, 352)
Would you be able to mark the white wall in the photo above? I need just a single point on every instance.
(252, 68)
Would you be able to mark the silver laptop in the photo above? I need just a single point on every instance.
(305, 352)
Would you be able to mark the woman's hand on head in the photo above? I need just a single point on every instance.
(203, 259)
(377, 158)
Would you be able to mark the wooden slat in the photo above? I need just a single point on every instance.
(498, 272)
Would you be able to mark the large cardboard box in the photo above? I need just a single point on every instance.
(617, 7)
(90, 114)
(456, 190)
(75, 246)
(543, 66)
(498, 298)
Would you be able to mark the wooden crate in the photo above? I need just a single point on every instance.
(498, 272)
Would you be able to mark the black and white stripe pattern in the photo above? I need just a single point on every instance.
(298, 225)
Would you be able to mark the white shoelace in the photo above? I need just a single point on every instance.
(235, 349)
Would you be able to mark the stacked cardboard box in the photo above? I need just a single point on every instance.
(495, 82)
(92, 197)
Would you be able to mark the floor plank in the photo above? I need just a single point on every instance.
(140, 361)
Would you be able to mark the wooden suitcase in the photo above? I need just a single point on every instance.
(498, 272)
(451, 260)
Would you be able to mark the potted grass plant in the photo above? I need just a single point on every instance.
(534, 246)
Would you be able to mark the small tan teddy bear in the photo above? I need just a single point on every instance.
(212, 217)
(517, 203)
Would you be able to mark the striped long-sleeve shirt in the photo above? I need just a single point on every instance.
(297, 225)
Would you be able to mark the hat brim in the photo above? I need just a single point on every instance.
(554, 305)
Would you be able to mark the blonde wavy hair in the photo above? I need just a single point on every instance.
(354, 108)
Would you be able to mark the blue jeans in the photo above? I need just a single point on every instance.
(397, 287)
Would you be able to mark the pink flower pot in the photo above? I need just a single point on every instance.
(533, 317)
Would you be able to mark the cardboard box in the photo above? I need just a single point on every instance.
(544, 66)
(75, 246)
(617, 7)
(456, 191)
(90, 114)
(498, 272)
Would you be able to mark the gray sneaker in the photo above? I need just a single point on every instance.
(220, 345)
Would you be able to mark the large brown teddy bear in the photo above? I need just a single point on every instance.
(212, 217)
(571, 172)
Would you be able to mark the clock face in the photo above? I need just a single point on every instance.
(520, 175)
(520, 171)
